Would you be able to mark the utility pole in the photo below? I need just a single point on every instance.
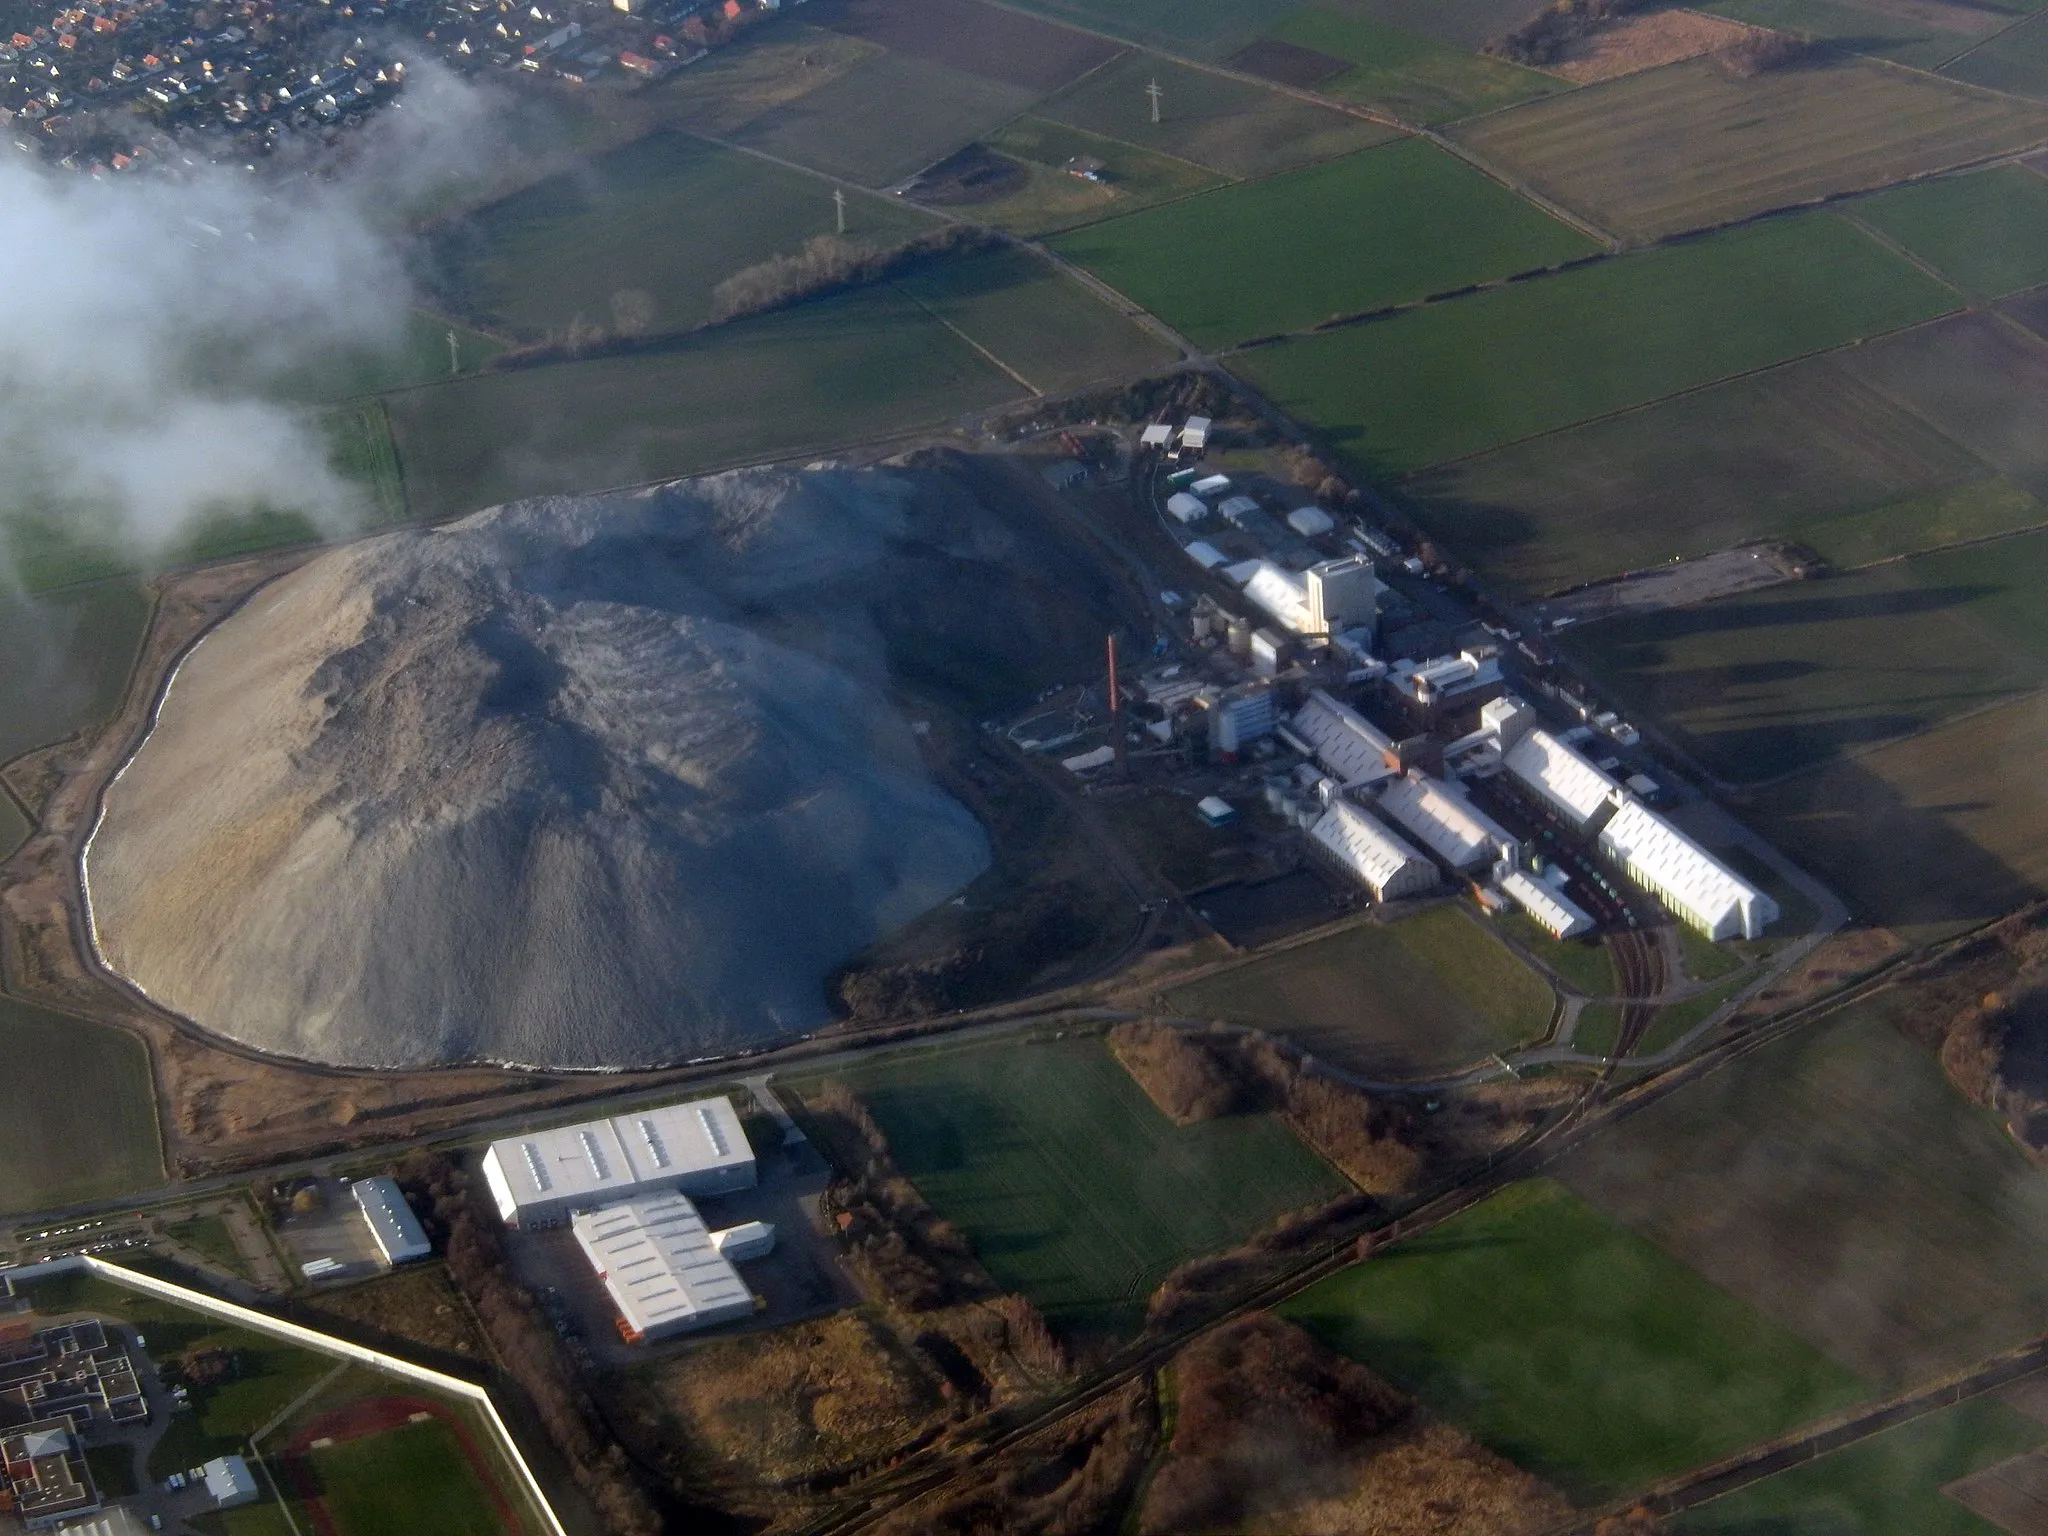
(1116, 710)
(839, 207)
(454, 355)
(1155, 93)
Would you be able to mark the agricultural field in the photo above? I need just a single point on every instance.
(1074, 1189)
(884, 120)
(77, 1111)
(995, 43)
(1467, 25)
(1453, 379)
(1888, 1485)
(68, 656)
(1406, 74)
(1965, 819)
(1923, 34)
(630, 230)
(1204, 29)
(1034, 195)
(1430, 992)
(1045, 327)
(1806, 452)
(1230, 126)
(767, 67)
(1385, 226)
(1838, 1183)
(1572, 1346)
(836, 371)
(1690, 146)
(2014, 60)
(1987, 232)
(1783, 678)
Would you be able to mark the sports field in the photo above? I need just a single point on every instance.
(414, 1476)
(1432, 991)
(1806, 451)
(1987, 232)
(1888, 1485)
(1428, 385)
(68, 655)
(838, 371)
(1042, 324)
(1405, 73)
(1074, 1189)
(1779, 679)
(884, 119)
(2014, 60)
(1965, 819)
(77, 1111)
(1231, 126)
(1570, 1345)
(1835, 1181)
(1690, 146)
(1385, 226)
(666, 219)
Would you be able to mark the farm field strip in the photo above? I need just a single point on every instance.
(1986, 232)
(1430, 385)
(995, 42)
(77, 1113)
(1405, 73)
(1688, 146)
(1204, 29)
(2014, 60)
(1384, 226)
(1051, 198)
(1914, 36)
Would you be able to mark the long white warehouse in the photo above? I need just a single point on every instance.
(658, 1261)
(697, 1148)
(1565, 918)
(393, 1226)
(1697, 887)
(1451, 827)
(1351, 751)
(1369, 853)
(1573, 787)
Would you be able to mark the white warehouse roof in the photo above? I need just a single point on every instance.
(1572, 785)
(1342, 740)
(1372, 854)
(392, 1223)
(1310, 521)
(1696, 886)
(698, 1147)
(1188, 509)
(1458, 832)
(1283, 594)
(657, 1260)
(1211, 485)
(1206, 555)
(1157, 435)
(1556, 911)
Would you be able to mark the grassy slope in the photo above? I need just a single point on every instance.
(1453, 379)
(1408, 75)
(1836, 1182)
(1776, 680)
(413, 1478)
(1987, 233)
(77, 1111)
(1570, 1345)
(1690, 146)
(1074, 1189)
(1387, 226)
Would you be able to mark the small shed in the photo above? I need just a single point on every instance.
(1211, 485)
(1206, 555)
(1309, 522)
(1235, 509)
(1188, 509)
(748, 1240)
(229, 1482)
(1194, 437)
(1215, 811)
(1158, 435)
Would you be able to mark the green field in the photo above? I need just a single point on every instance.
(1902, 36)
(1452, 379)
(1690, 145)
(1776, 680)
(1583, 963)
(1598, 1032)
(1041, 323)
(884, 120)
(1807, 451)
(408, 1479)
(838, 371)
(77, 1112)
(1430, 992)
(1050, 199)
(69, 654)
(1206, 28)
(1838, 1183)
(1229, 125)
(668, 217)
(1406, 74)
(1888, 1485)
(1463, 24)
(1074, 1189)
(1987, 233)
(2015, 60)
(1570, 1345)
(1387, 226)
(1675, 1021)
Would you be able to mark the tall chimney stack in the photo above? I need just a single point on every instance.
(1116, 710)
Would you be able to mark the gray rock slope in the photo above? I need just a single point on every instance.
(538, 787)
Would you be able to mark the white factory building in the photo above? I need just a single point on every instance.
(393, 1226)
(1563, 917)
(1349, 838)
(1447, 824)
(1696, 886)
(1348, 746)
(1579, 793)
(661, 1266)
(1341, 594)
(542, 1178)
(1241, 716)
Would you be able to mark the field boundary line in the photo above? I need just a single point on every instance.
(1864, 749)
(1984, 42)
(987, 356)
(1848, 216)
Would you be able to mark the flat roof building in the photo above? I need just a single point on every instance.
(1348, 838)
(1563, 917)
(1697, 887)
(660, 1267)
(1339, 595)
(44, 1475)
(1310, 522)
(1186, 508)
(393, 1226)
(1446, 823)
(1572, 787)
(229, 1482)
(698, 1148)
(748, 1240)
(1351, 750)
